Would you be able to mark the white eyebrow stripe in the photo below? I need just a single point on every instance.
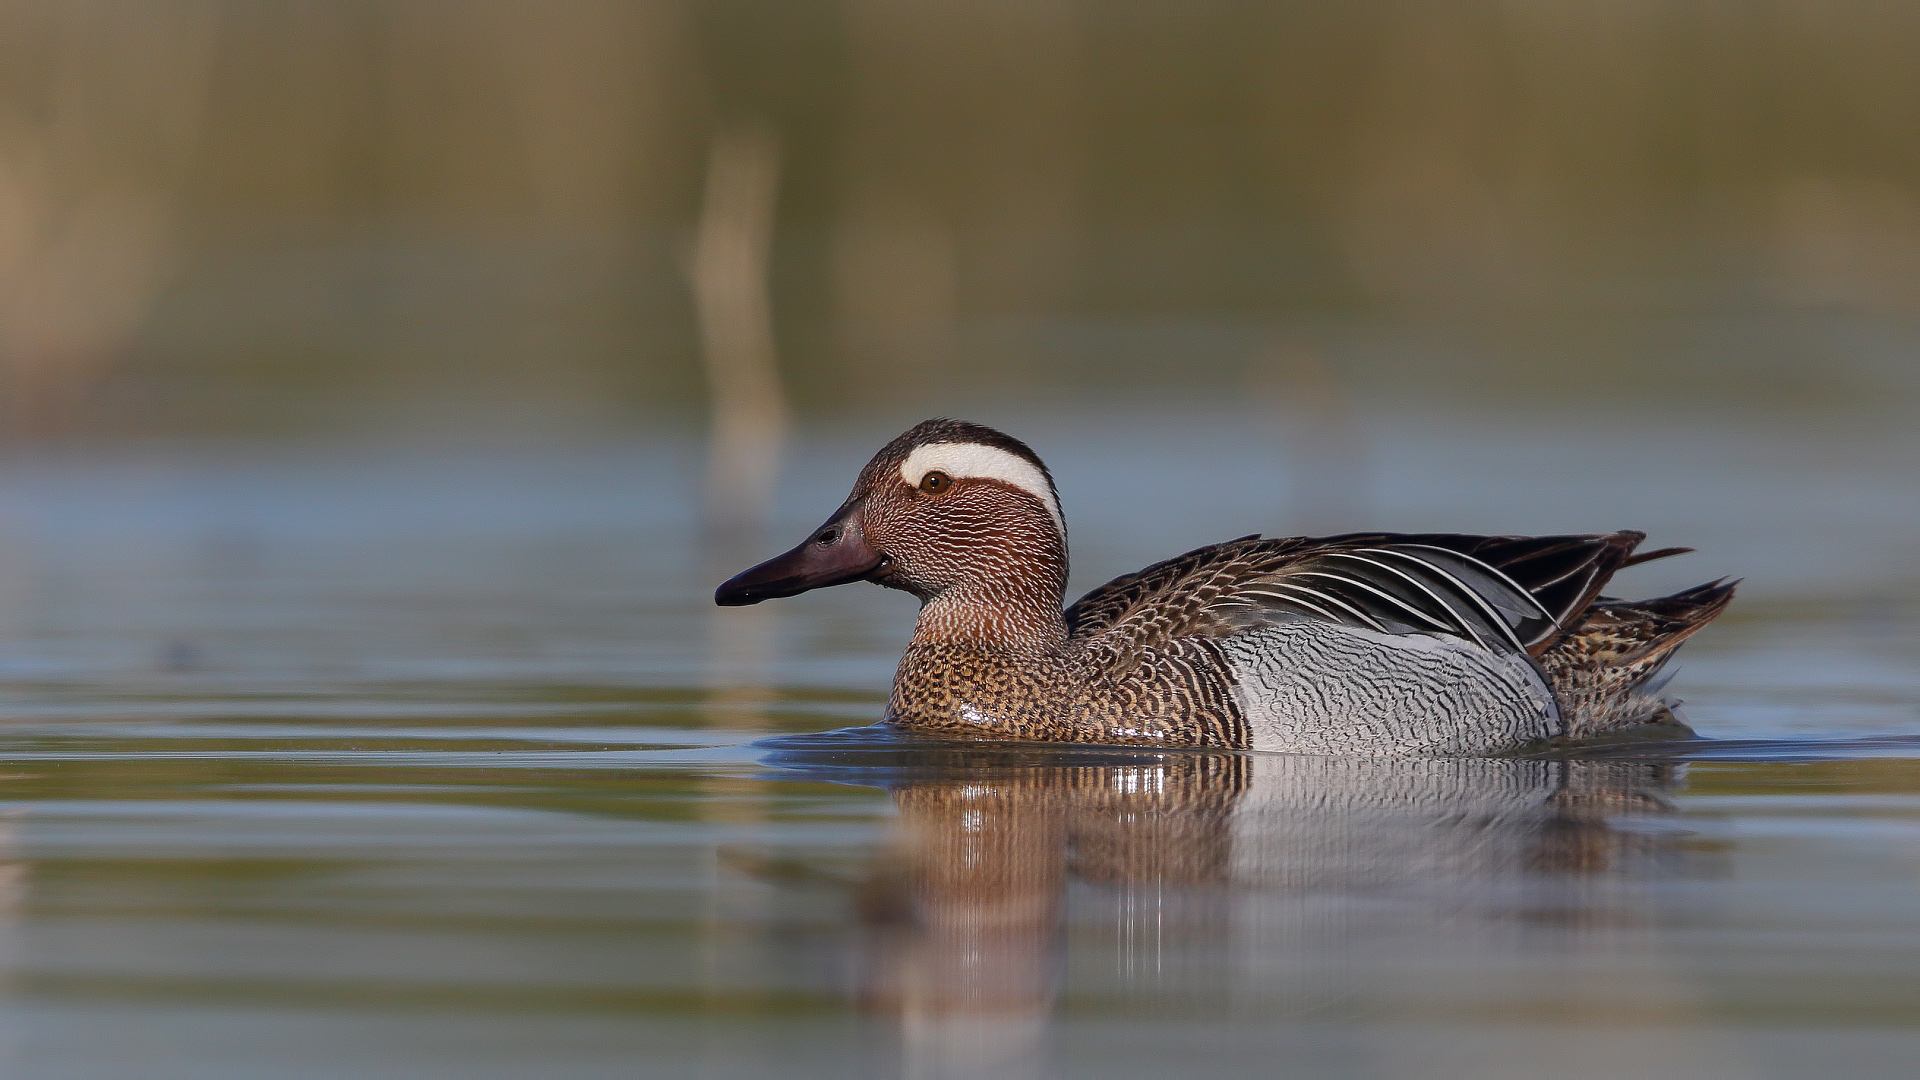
(976, 461)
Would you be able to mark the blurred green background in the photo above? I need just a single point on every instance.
(478, 216)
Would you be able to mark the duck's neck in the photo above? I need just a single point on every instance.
(1014, 612)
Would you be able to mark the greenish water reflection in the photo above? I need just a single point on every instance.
(881, 905)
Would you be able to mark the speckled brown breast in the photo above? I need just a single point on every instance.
(1174, 696)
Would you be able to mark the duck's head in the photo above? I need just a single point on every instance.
(948, 506)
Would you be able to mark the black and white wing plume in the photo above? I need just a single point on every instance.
(1397, 588)
(1505, 593)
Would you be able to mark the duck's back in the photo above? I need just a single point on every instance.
(1394, 643)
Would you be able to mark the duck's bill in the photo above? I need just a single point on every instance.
(835, 554)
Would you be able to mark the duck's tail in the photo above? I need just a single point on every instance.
(1605, 670)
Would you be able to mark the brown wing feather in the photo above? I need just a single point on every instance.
(1166, 583)
(1169, 597)
(1218, 589)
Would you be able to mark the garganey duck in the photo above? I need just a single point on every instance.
(1367, 643)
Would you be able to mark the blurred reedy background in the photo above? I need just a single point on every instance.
(454, 218)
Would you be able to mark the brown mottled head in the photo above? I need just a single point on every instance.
(947, 505)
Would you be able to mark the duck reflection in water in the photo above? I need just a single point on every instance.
(1255, 867)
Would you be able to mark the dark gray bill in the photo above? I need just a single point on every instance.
(835, 554)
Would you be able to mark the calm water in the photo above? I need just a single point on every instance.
(366, 762)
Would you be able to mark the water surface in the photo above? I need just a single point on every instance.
(381, 762)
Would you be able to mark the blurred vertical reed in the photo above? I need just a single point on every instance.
(748, 416)
(100, 111)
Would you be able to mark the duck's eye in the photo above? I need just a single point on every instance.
(936, 483)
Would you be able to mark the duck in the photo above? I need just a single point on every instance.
(1369, 643)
